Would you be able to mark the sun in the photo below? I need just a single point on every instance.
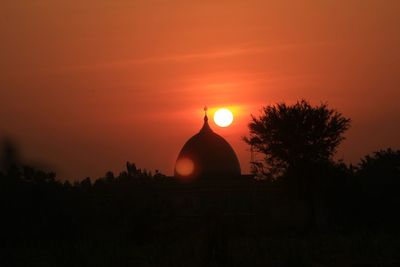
(223, 117)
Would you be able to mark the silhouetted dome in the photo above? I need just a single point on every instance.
(207, 155)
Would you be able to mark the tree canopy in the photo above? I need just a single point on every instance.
(291, 135)
(380, 171)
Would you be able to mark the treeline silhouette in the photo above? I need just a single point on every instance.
(143, 219)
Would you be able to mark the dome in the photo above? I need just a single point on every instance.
(207, 155)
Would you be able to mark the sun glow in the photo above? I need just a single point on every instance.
(223, 117)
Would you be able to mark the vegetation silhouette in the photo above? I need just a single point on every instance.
(293, 137)
(297, 143)
(316, 211)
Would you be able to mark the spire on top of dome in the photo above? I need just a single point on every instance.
(206, 127)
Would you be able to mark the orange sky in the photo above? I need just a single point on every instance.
(86, 85)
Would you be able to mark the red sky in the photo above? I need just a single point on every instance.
(86, 85)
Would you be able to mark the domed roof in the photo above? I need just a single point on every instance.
(207, 155)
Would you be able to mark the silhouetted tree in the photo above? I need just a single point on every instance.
(109, 177)
(86, 183)
(158, 175)
(9, 158)
(378, 178)
(379, 173)
(289, 136)
(131, 168)
(297, 143)
(382, 168)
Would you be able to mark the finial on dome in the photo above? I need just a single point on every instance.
(205, 113)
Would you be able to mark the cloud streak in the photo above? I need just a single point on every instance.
(209, 55)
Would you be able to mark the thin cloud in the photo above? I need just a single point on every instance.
(225, 53)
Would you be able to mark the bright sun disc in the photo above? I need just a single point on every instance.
(223, 117)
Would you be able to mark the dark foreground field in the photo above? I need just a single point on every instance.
(196, 249)
(138, 219)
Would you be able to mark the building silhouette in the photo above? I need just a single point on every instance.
(207, 155)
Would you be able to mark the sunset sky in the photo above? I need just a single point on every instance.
(86, 85)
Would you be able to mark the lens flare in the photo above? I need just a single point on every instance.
(184, 167)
